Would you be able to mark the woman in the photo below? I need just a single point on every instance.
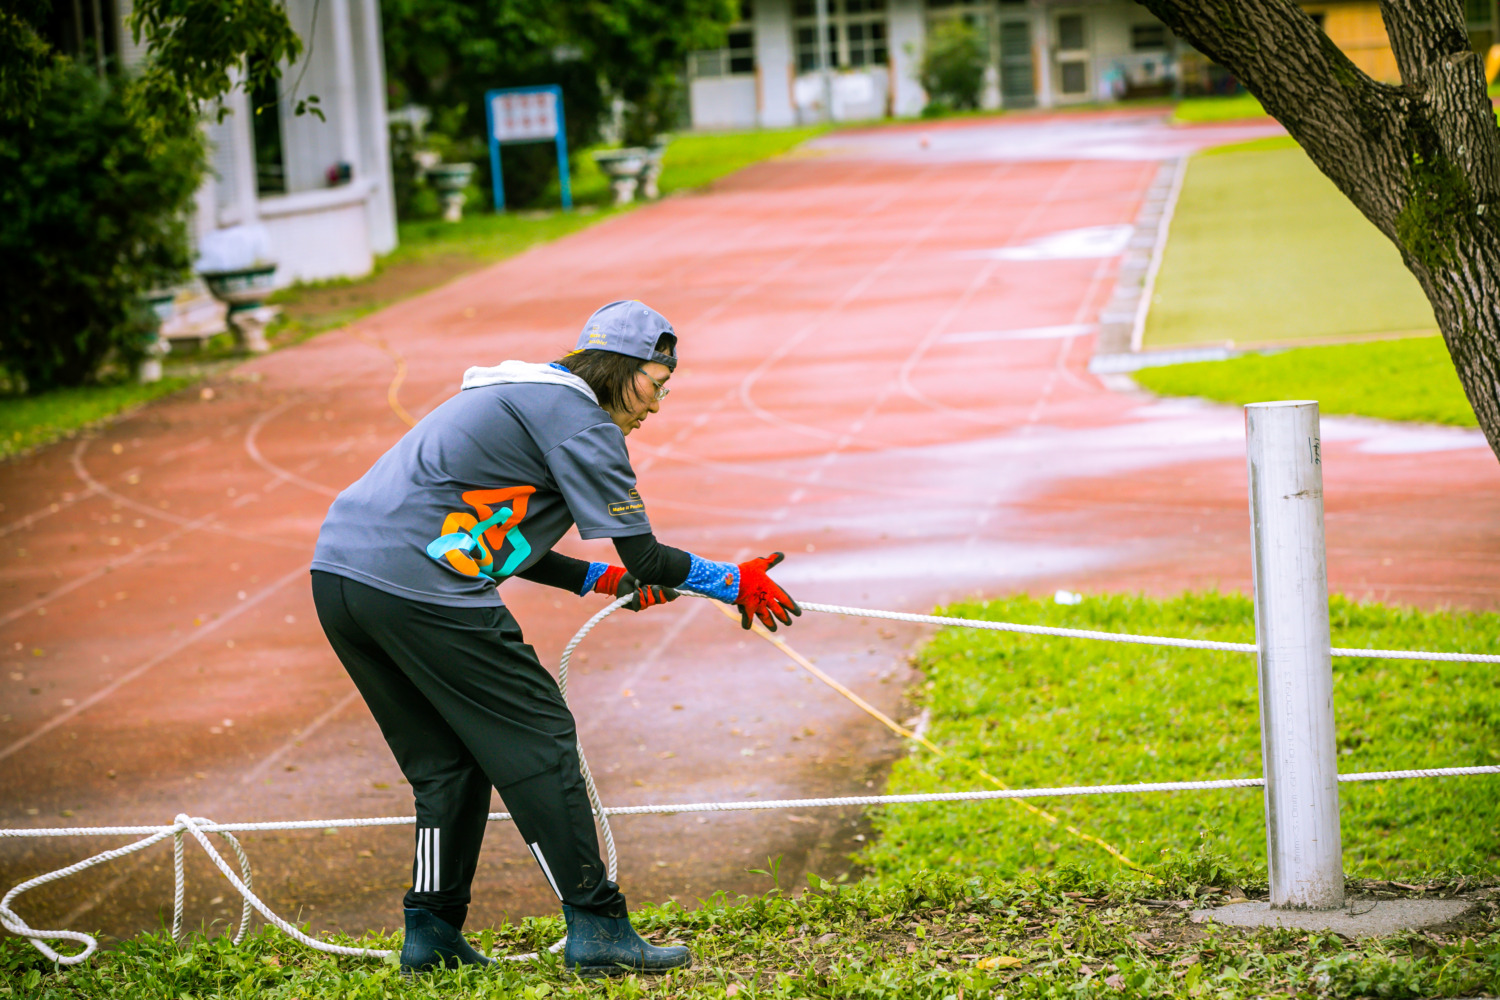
(404, 579)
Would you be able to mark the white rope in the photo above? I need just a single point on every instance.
(1146, 640)
(200, 828)
(757, 805)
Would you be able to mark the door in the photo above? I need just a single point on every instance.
(1017, 76)
(1072, 57)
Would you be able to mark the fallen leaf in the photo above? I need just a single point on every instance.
(734, 989)
(999, 962)
(1115, 982)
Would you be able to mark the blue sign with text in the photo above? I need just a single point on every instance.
(526, 114)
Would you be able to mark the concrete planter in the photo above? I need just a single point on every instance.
(451, 179)
(162, 303)
(624, 168)
(632, 169)
(244, 291)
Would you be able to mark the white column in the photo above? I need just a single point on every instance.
(774, 63)
(907, 30)
(346, 107)
(1289, 561)
(377, 160)
(826, 56)
(1044, 57)
(242, 153)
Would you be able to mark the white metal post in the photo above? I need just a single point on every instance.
(1296, 672)
(825, 71)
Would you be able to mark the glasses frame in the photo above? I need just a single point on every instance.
(661, 390)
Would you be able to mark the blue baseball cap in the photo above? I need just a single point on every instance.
(631, 328)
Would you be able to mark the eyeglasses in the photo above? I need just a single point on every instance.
(661, 389)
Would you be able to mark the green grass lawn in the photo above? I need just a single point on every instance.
(931, 937)
(28, 422)
(1193, 110)
(1408, 379)
(429, 254)
(693, 160)
(1265, 250)
(984, 900)
(1038, 712)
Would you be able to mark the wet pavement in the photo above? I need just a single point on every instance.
(878, 378)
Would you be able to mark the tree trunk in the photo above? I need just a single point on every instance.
(1421, 159)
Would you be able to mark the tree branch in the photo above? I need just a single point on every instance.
(1445, 80)
(1350, 125)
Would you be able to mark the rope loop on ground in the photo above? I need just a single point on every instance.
(199, 828)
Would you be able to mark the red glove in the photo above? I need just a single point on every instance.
(616, 582)
(760, 597)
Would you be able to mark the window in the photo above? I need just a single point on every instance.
(1148, 37)
(1074, 77)
(737, 57)
(1070, 32)
(857, 34)
(265, 130)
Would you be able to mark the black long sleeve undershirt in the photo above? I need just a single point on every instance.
(646, 559)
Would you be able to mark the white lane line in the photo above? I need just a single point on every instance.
(99, 571)
(252, 448)
(275, 756)
(54, 508)
(852, 293)
(980, 279)
(87, 478)
(1033, 333)
(154, 661)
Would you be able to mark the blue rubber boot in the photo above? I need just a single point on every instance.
(609, 946)
(432, 942)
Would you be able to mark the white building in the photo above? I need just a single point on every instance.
(1042, 53)
(321, 189)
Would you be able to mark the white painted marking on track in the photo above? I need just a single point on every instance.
(293, 741)
(1070, 244)
(1031, 333)
(207, 629)
(108, 567)
(87, 478)
(55, 507)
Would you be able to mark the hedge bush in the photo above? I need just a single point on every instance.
(92, 213)
(952, 70)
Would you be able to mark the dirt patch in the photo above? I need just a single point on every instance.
(319, 306)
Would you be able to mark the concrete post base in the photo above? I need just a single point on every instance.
(1358, 918)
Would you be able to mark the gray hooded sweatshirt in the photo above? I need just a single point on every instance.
(482, 487)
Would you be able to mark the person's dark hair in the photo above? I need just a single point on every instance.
(612, 375)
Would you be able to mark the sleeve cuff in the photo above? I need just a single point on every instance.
(721, 581)
(596, 570)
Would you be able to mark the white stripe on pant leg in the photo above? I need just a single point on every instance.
(419, 883)
(546, 871)
(437, 859)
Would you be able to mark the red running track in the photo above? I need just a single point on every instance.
(867, 385)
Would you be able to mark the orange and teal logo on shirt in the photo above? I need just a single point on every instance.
(469, 541)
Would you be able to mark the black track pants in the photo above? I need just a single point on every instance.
(465, 705)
